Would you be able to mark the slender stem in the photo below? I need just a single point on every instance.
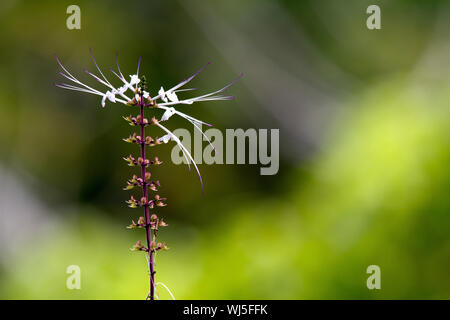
(148, 230)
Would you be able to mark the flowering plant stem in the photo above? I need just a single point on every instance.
(165, 100)
(148, 230)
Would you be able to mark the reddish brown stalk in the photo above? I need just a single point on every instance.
(148, 230)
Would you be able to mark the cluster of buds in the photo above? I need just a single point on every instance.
(136, 181)
(155, 222)
(153, 246)
(140, 224)
(138, 120)
(158, 246)
(141, 161)
(148, 141)
(139, 247)
(145, 202)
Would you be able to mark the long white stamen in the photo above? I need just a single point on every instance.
(73, 79)
(185, 151)
(195, 123)
(98, 68)
(205, 97)
(182, 83)
(74, 88)
(117, 63)
(160, 283)
(114, 90)
(175, 138)
(183, 115)
(206, 137)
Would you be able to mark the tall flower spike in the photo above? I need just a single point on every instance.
(142, 100)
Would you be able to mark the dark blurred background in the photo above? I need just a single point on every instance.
(364, 150)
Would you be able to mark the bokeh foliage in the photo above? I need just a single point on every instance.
(373, 189)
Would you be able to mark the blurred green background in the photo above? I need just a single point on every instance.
(364, 150)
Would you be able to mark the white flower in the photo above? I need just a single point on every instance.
(110, 96)
(122, 89)
(169, 112)
(134, 79)
(168, 95)
(162, 95)
(172, 96)
(165, 138)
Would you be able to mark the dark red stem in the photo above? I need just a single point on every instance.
(148, 230)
